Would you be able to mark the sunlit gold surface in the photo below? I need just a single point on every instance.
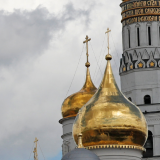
(80, 145)
(109, 118)
(116, 146)
(86, 41)
(108, 55)
(73, 103)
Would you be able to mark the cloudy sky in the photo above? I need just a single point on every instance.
(42, 59)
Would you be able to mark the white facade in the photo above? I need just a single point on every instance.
(68, 141)
(137, 83)
(153, 121)
(140, 65)
(143, 36)
(118, 154)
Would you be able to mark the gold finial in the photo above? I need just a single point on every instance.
(35, 149)
(108, 56)
(80, 145)
(86, 41)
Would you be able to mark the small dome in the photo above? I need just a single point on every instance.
(80, 154)
(109, 119)
(73, 103)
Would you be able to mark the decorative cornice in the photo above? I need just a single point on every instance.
(64, 119)
(140, 11)
(142, 60)
(142, 15)
(153, 119)
(139, 8)
(116, 146)
(67, 134)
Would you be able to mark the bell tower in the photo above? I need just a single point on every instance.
(140, 64)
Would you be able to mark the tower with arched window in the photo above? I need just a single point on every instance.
(140, 64)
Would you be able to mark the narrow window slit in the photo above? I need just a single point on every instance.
(138, 39)
(159, 35)
(129, 43)
(149, 35)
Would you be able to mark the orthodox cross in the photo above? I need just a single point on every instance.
(108, 37)
(35, 150)
(86, 41)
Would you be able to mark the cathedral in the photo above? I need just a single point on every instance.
(105, 123)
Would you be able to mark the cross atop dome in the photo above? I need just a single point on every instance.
(108, 30)
(86, 41)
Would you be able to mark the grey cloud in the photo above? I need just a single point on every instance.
(32, 92)
(30, 96)
(28, 33)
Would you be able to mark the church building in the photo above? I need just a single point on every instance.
(112, 124)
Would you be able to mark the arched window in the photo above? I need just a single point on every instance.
(130, 99)
(129, 37)
(148, 146)
(147, 99)
(149, 35)
(137, 34)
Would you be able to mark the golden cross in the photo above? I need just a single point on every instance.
(108, 37)
(35, 149)
(86, 41)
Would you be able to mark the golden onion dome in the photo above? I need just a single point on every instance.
(109, 119)
(74, 102)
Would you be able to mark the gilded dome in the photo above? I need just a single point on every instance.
(80, 154)
(74, 102)
(109, 119)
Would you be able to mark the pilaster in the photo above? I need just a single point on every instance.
(68, 141)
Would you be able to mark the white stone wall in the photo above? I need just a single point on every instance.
(143, 33)
(68, 141)
(153, 121)
(118, 154)
(137, 83)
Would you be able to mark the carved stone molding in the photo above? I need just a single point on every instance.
(140, 11)
(131, 61)
(152, 119)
